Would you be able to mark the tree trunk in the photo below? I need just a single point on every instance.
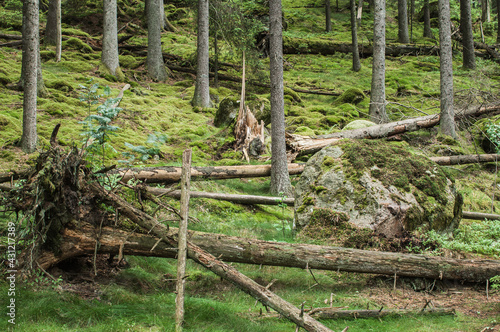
(280, 180)
(81, 241)
(154, 60)
(328, 16)
(210, 262)
(30, 61)
(238, 199)
(182, 242)
(498, 21)
(301, 145)
(356, 63)
(335, 313)
(427, 20)
(469, 58)
(169, 174)
(479, 216)
(53, 33)
(485, 11)
(466, 159)
(403, 36)
(201, 91)
(377, 96)
(109, 55)
(447, 121)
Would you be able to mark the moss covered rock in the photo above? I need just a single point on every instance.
(380, 185)
(227, 112)
(350, 96)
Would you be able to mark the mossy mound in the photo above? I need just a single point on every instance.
(350, 96)
(227, 112)
(358, 124)
(381, 185)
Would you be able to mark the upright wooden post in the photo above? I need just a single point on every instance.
(182, 242)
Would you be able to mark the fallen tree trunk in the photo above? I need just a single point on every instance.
(479, 216)
(77, 242)
(261, 293)
(170, 174)
(466, 159)
(302, 145)
(334, 313)
(238, 199)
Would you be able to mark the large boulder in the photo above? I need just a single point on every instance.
(380, 185)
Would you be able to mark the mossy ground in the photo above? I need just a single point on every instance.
(150, 107)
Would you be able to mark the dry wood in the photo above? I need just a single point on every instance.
(466, 159)
(239, 199)
(335, 313)
(182, 241)
(170, 174)
(479, 216)
(204, 258)
(76, 242)
(301, 145)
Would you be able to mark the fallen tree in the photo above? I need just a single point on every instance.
(82, 240)
(170, 174)
(238, 199)
(334, 313)
(301, 145)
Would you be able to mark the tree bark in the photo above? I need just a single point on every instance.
(182, 242)
(479, 216)
(305, 145)
(53, 35)
(485, 11)
(427, 20)
(81, 241)
(170, 174)
(210, 262)
(109, 55)
(377, 95)
(238, 199)
(201, 91)
(328, 16)
(356, 63)
(280, 180)
(154, 60)
(466, 159)
(403, 36)
(469, 58)
(447, 121)
(30, 61)
(334, 313)
(498, 21)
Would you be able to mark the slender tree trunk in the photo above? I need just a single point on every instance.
(280, 180)
(377, 97)
(216, 60)
(412, 15)
(498, 21)
(201, 91)
(30, 61)
(109, 56)
(403, 36)
(485, 11)
(328, 16)
(356, 63)
(469, 58)
(53, 33)
(154, 61)
(427, 20)
(447, 121)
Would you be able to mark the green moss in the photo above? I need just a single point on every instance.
(350, 96)
(328, 162)
(59, 84)
(292, 94)
(77, 44)
(306, 131)
(308, 200)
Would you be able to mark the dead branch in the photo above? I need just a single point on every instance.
(334, 313)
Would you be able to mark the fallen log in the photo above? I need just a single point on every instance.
(81, 240)
(479, 216)
(170, 174)
(204, 258)
(334, 313)
(238, 199)
(254, 83)
(466, 159)
(302, 145)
